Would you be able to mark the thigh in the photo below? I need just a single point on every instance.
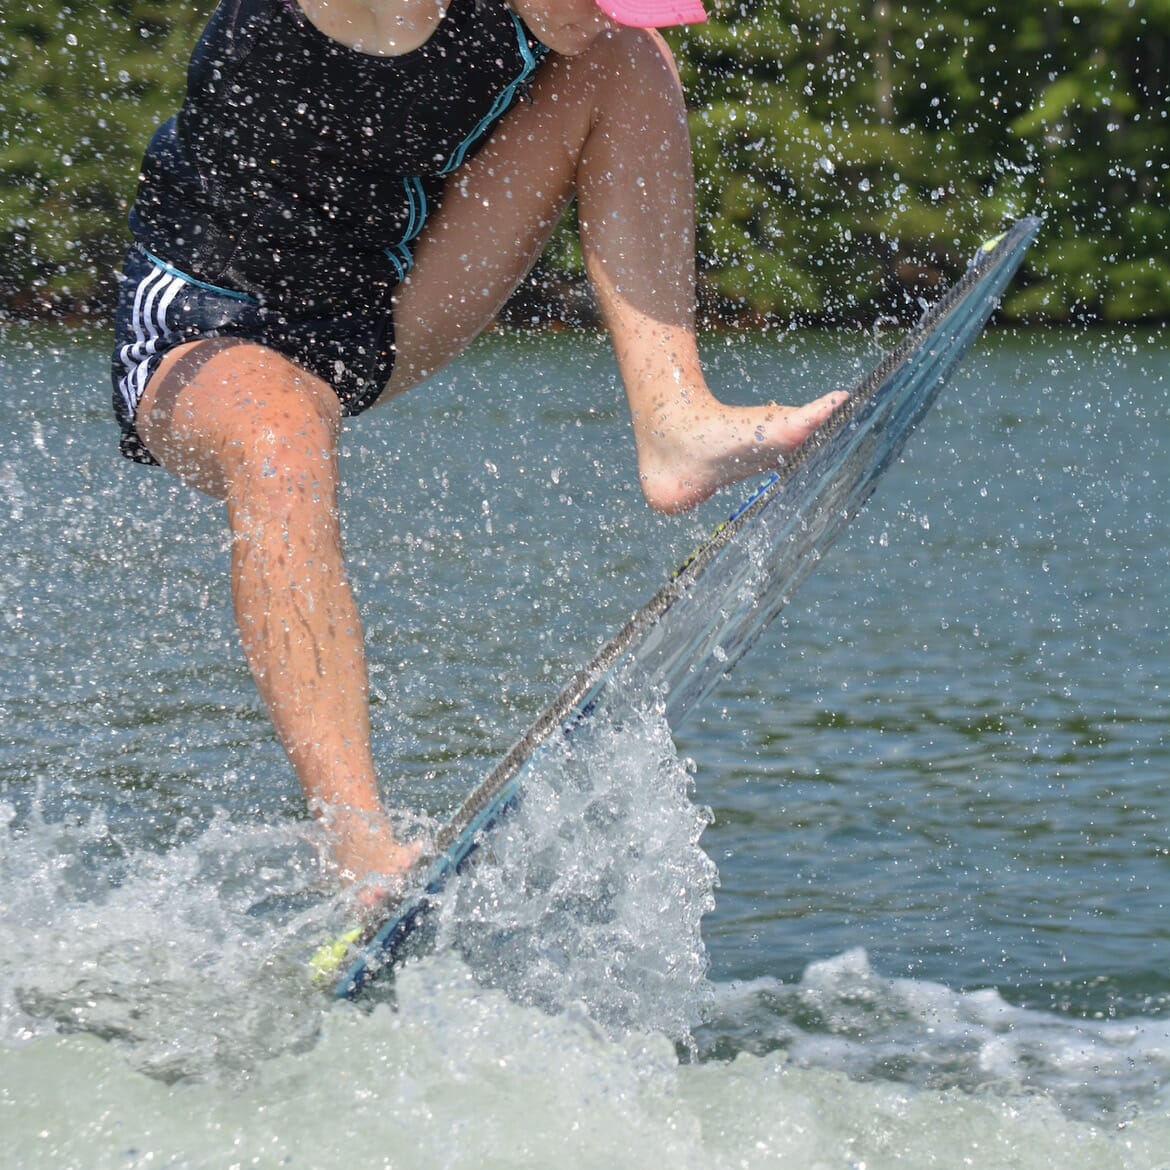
(225, 412)
(499, 210)
(170, 325)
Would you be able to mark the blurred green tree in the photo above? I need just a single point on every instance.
(848, 154)
(82, 87)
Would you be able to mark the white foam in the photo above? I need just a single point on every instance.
(143, 989)
(157, 953)
(461, 1076)
(842, 1015)
(594, 891)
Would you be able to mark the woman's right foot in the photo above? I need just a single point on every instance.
(364, 850)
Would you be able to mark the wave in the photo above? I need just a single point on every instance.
(566, 1012)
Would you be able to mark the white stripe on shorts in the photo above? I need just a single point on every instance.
(152, 299)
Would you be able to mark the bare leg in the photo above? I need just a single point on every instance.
(249, 426)
(243, 423)
(610, 127)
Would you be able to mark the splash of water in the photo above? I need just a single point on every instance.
(594, 892)
(844, 1015)
(159, 953)
(190, 957)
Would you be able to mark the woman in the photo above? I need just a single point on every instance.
(347, 198)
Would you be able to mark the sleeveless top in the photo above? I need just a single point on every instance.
(299, 171)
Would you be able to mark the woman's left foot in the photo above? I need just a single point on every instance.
(685, 459)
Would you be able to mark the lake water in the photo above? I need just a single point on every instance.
(897, 897)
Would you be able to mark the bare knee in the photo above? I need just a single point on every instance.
(636, 64)
(280, 469)
(624, 48)
(234, 417)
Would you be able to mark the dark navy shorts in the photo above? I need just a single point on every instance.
(160, 307)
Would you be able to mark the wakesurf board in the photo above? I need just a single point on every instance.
(716, 605)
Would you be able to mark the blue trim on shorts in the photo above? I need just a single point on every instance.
(400, 254)
(187, 278)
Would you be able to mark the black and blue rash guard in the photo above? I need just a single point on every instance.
(299, 171)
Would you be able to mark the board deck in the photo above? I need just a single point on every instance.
(715, 606)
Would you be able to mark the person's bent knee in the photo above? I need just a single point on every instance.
(624, 65)
(639, 54)
(224, 410)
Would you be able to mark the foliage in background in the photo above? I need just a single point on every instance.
(82, 86)
(849, 153)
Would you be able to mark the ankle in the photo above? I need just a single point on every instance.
(671, 494)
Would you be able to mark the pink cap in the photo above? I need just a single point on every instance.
(654, 13)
